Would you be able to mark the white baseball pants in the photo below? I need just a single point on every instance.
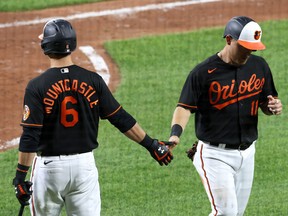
(227, 176)
(70, 181)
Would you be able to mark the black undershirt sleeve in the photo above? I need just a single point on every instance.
(122, 120)
(29, 139)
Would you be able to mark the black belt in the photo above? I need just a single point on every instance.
(241, 146)
(56, 155)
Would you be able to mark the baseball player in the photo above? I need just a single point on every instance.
(225, 92)
(60, 121)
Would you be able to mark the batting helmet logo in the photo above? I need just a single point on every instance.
(257, 35)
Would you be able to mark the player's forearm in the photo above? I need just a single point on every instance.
(181, 117)
(24, 162)
(179, 121)
(26, 158)
(136, 133)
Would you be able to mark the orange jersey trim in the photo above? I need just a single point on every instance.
(33, 125)
(113, 112)
(185, 105)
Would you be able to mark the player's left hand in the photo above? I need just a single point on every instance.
(160, 152)
(23, 191)
(192, 151)
(274, 105)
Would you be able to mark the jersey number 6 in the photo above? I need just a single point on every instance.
(65, 112)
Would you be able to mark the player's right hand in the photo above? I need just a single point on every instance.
(160, 152)
(175, 140)
(23, 191)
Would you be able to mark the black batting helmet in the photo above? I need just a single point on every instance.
(58, 37)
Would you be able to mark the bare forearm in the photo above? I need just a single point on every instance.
(24, 162)
(181, 117)
(179, 121)
(26, 158)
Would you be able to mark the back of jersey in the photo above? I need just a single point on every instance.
(67, 103)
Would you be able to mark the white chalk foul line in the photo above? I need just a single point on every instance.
(11, 143)
(98, 62)
(120, 11)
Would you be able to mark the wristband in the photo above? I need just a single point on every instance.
(21, 172)
(176, 130)
(146, 142)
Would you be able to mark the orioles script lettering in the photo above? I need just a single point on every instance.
(221, 96)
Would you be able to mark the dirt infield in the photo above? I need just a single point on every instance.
(22, 59)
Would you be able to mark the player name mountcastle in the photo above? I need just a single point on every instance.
(67, 85)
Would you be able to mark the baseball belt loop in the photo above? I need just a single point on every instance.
(222, 145)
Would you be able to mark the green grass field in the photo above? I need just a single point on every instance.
(153, 70)
(28, 5)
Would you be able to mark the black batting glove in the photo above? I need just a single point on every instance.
(160, 152)
(22, 187)
(192, 151)
(23, 191)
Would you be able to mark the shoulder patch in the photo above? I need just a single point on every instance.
(26, 113)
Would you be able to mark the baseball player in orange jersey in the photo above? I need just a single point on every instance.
(224, 92)
(60, 121)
